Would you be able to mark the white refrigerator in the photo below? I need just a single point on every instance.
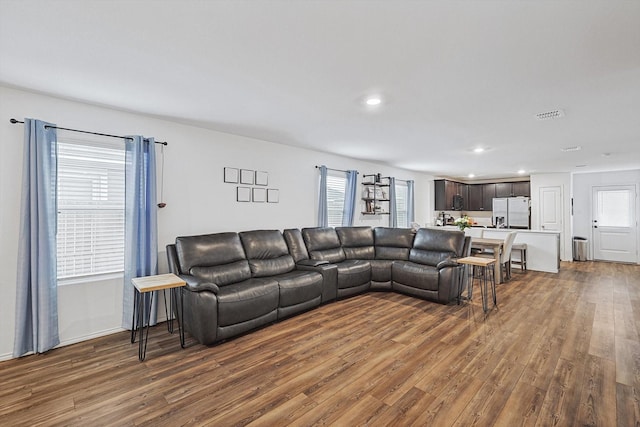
(511, 212)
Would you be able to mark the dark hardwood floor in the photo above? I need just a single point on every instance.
(561, 350)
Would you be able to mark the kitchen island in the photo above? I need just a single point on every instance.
(543, 247)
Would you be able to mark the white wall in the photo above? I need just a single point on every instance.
(582, 198)
(197, 199)
(562, 180)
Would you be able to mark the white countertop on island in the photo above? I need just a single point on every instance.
(543, 247)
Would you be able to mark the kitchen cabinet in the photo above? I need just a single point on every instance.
(522, 188)
(488, 193)
(445, 192)
(504, 189)
(476, 197)
(476, 201)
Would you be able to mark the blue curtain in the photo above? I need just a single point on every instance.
(411, 210)
(323, 211)
(37, 292)
(141, 231)
(349, 211)
(393, 211)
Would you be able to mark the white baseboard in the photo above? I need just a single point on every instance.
(93, 335)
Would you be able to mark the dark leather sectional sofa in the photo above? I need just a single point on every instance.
(237, 282)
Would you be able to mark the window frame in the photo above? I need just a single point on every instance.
(95, 202)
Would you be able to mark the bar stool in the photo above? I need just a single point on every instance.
(522, 260)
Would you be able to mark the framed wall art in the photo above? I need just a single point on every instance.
(231, 175)
(243, 194)
(273, 195)
(246, 176)
(259, 195)
(262, 178)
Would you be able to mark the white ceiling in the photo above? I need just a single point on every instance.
(455, 75)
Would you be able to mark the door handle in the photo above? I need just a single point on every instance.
(595, 226)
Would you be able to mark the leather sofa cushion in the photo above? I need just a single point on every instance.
(223, 275)
(296, 245)
(381, 270)
(357, 242)
(432, 246)
(353, 272)
(247, 300)
(393, 243)
(208, 250)
(415, 275)
(365, 252)
(267, 252)
(323, 244)
(299, 286)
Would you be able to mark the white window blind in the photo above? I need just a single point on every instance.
(90, 234)
(401, 204)
(336, 186)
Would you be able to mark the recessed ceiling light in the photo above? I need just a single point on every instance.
(471, 175)
(521, 171)
(573, 148)
(373, 101)
(478, 150)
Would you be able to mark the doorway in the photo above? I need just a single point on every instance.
(614, 223)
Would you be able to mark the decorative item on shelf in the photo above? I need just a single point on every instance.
(463, 222)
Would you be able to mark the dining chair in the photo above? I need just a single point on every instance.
(505, 255)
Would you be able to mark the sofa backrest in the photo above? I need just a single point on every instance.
(431, 246)
(393, 243)
(296, 245)
(323, 244)
(218, 258)
(357, 242)
(267, 252)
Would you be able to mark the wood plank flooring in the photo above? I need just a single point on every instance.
(561, 350)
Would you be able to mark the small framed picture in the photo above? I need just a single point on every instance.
(262, 178)
(246, 176)
(273, 195)
(259, 195)
(231, 175)
(244, 194)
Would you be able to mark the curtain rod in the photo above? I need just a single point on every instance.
(14, 121)
(337, 170)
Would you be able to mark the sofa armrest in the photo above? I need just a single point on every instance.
(311, 262)
(447, 263)
(197, 285)
(329, 274)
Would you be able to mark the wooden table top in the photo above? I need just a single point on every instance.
(157, 283)
(476, 260)
(485, 241)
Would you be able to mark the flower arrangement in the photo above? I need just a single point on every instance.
(463, 222)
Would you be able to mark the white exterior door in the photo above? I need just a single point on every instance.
(614, 223)
(551, 208)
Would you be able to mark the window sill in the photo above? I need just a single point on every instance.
(90, 279)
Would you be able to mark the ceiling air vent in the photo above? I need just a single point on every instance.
(548, 115)
(573, 148)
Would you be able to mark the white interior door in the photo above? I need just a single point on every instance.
(551, 208)
(615, 223)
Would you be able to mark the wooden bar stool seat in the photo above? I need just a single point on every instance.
(521, 250)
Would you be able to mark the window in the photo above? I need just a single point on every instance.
(90, 234)
(336, 186)
(401, 204)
